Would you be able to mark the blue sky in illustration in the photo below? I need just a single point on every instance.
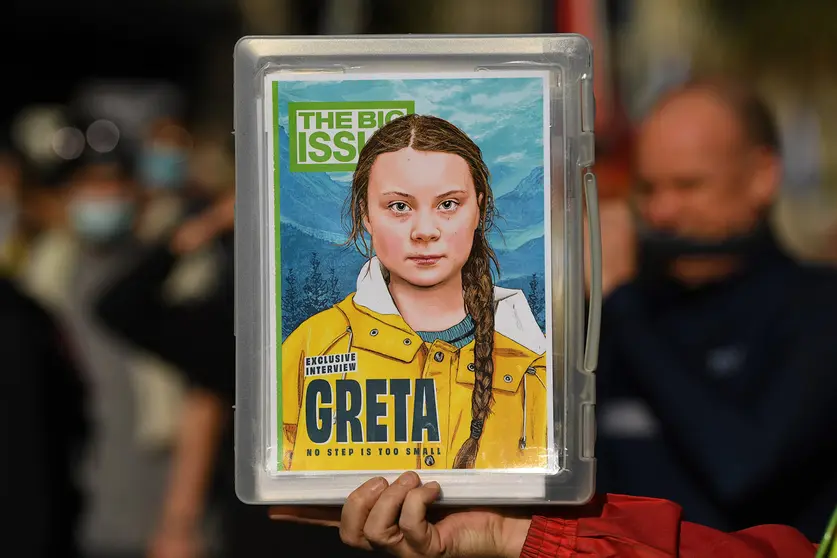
(504, 116)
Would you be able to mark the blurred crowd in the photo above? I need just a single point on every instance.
(71, 229)
(116, 291)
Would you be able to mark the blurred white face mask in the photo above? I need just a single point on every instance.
(101, 220)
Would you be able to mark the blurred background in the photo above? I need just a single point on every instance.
(116, 133)
(131, 64)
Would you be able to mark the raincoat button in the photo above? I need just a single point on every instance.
(530, 370)
(408, 341)
(429, 461)
(439, 356)
(373, 333)
(507, 378)
(471, 366)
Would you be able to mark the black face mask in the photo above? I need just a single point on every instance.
(658, 249)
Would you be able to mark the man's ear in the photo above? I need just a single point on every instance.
(766, 177)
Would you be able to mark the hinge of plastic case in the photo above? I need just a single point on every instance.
(588, 431)
(587, 142)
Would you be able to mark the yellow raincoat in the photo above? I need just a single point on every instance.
(354, 409)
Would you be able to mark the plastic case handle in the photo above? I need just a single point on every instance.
(594, 316)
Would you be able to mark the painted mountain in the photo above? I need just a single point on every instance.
(311, 201)
(521, 213)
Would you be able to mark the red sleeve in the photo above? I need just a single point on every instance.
(631, 527)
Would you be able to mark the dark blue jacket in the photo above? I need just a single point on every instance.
(724, 398)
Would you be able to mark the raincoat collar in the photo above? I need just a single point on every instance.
(513, 316)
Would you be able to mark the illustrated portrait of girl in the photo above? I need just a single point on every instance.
(426, 323)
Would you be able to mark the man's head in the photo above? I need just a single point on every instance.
(708, 170)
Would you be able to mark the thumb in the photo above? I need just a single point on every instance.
(419, 533)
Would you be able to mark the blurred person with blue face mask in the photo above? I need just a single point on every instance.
(102, 203)
(123, 473)
(163, 163)
(163, 166)
(165, 174)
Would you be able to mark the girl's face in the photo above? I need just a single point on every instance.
(422, 213)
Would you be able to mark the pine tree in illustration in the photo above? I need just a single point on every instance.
(291, 302)
(535, 296)
(315, 291)
(333, 286)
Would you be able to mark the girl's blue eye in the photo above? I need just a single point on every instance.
(449, 205)
(400, 207)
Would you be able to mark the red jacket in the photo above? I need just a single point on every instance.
(630, 527)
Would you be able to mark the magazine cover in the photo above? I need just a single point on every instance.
(409, 301)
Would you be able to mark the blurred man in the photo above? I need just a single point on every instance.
(194, 336)
(718, 364)
(123, 478)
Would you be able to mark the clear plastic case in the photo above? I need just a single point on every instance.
(379, 178)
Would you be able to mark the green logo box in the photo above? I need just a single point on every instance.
(327, 137)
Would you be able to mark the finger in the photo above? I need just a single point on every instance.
(382, 525)
(418, 532)
(356, 511)
(318, 515)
